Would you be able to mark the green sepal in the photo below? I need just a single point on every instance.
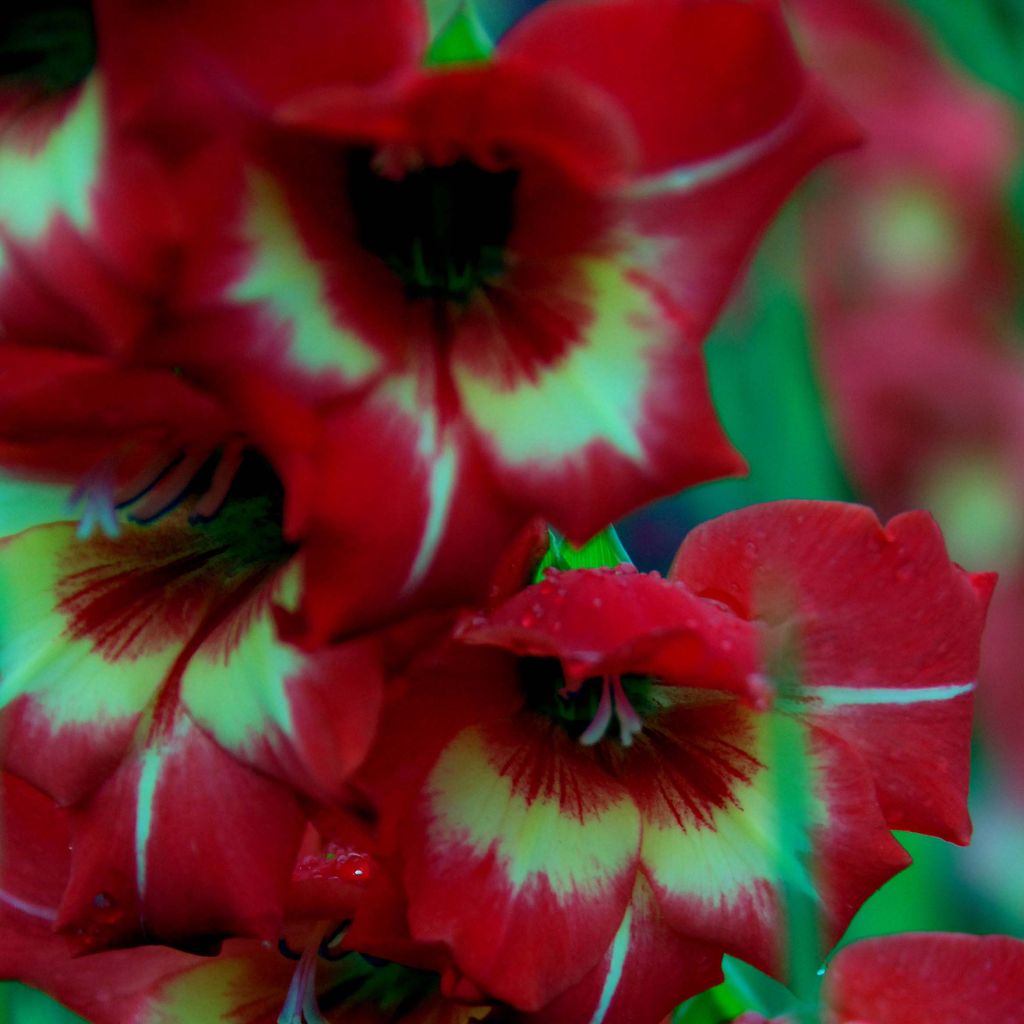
(461, 40)
(603, 550)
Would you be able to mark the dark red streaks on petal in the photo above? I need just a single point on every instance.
(691, 762)
(134, 609)
(537, 771)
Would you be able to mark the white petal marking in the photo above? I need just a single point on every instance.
(442, 488)
(59, 177)
(690, 177)
(32, 909)
(859, 696)
(620, 947)
(291, 287)
(148, 777)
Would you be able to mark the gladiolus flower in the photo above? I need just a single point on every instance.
(593, 771)
(145, 685)
(459, 295)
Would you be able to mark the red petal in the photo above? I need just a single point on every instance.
(256, 49)
(648, 970)
(444, 530)
(600, 621)
(495, 115)
(696, 79)
(493, 866)
(706, 779)
(885, 624)
(181, 842)
(939, 978)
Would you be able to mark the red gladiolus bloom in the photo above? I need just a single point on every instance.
(144, 684)
(248, 982)
(591, 778)
(441, 300)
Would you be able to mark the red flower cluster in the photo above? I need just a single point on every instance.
(309, 718)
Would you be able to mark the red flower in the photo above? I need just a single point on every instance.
(590, 779)
(247, 981)
(144, 684)
(451, 299)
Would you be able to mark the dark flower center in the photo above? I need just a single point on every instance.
(586, 713)
(442, 230)
(48, 44)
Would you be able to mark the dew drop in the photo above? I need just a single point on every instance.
(355, 868)
(105, 909)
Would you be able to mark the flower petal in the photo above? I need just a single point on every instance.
(706, 778)
(257, 51)
(591, 433)
(445, 529)
(648, 970)
(522, 858)
(602, 621)
(696, 79)
(885, 624)
(181, 842)
(49, 163)
(82, 656)
(941, 978)
(307, 718)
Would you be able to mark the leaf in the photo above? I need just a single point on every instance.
(986, 36)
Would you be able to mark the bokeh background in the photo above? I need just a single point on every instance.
(875, 352)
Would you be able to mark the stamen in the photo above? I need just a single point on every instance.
(223, 476)
(613, 702)
(161, 484)
(169, 487)
(96, 495)
(329, 945)
(630, 723)
(300, 1005)
(602, 718)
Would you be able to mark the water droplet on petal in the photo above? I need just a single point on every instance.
(105, 909)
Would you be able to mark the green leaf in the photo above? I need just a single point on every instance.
(804, 945)
(21, 1005)
(765, 387)
(986, 36)
(462, 39)
(605, 549)
(733, 997)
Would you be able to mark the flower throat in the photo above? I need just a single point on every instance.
(46, 44)
(442, 230)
